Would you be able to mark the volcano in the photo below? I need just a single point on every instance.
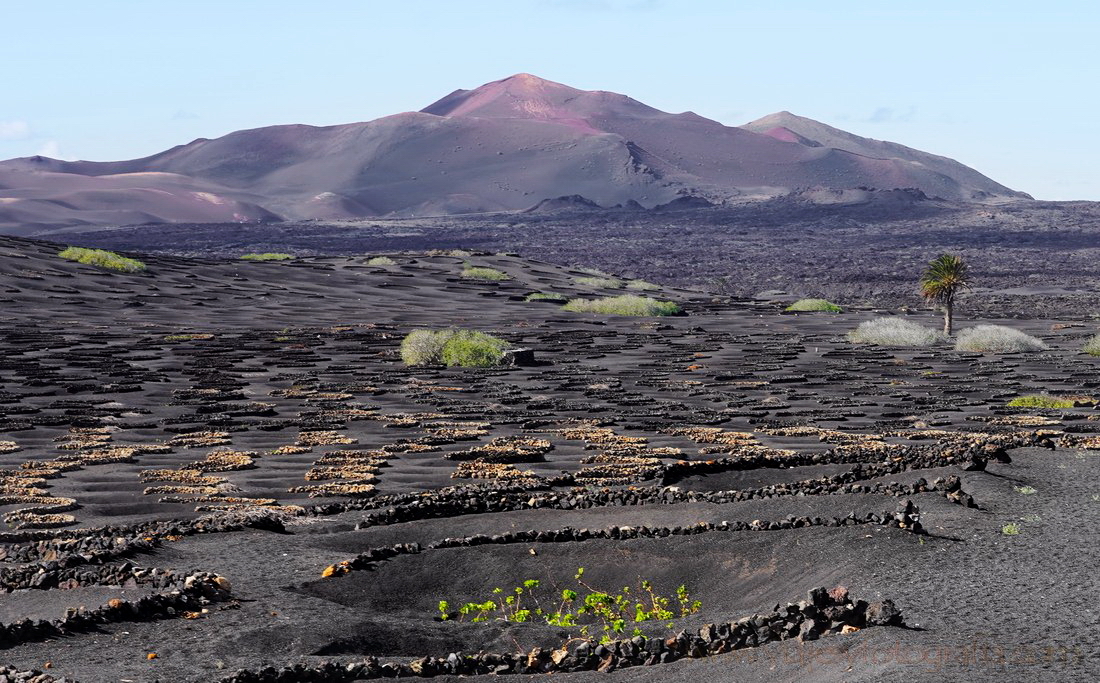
(504, 146)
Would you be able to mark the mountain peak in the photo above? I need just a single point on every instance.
(523, 95)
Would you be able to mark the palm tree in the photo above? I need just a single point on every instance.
(946, 276)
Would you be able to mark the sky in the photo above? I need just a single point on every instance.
(1008, 88)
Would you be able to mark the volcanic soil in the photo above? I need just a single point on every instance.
(254, 421)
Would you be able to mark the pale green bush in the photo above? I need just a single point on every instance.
(814, 305)
(482, 273)
(267, 256)
(997, 339)
(465, 348)
(893, 332)
(599, 282)
(627, 304)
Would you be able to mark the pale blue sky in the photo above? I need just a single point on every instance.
(1007, 87)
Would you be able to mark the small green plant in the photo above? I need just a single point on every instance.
(592, 271)
(186, 337)
(381, 261)
(545, 296)
(1096, 497)
(1040, 401)
(599, 282)
(814, 305)
(627, 304)
(642, 285)
(585, 610)
(102, 259)
(267, 256)
(1011, 529)
(1025, 490)
(482, 273)
(465, 348)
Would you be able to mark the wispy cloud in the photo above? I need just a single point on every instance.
(51, 149)
(184, 115)
(14, 130)
(891, 115)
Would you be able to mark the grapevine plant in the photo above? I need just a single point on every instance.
(584, 610)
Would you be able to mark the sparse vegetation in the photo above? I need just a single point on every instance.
(627, 304)
(642, 285)
(102, 259)
(267, 256)
(599, 282)
(1040, 401)
(1025, 490)
(424, 347)
(1011, 529)
(997, 339)
(1092, 346)
(484, 273)
(545, 296)
(187, 337)
(473, 349)
(814, 305)
(465, 348)
(946, 276)
(893, 332)
(584, 610)
(592, 271)
(381, 261)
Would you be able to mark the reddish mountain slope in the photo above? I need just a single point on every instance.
(506, 145)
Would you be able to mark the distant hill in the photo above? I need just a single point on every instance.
(505, 146)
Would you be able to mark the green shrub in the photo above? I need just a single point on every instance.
(102, 259)
(466, 348)
(997, 339)
(1011, 529)
(267, 256)
(627, 304)
(1092, 346)
(592, 271)
(642, 285)
(424, 347)
(599, 282)
(381, 261)
(480, 273)
(545, 296)
(1040, 401)
(820, 305)
(473, 349)
(583, 610)
(893, 332)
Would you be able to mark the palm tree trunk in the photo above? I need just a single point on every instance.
(948, 318)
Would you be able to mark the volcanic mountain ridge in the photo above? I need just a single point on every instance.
(505, 146)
